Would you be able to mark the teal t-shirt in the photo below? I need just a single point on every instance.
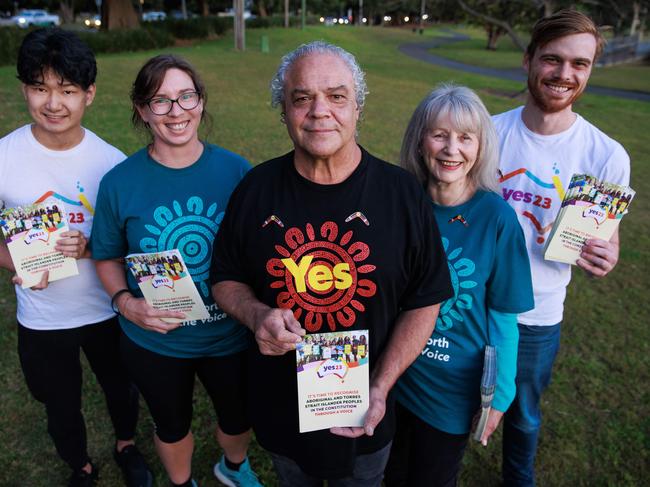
(143, 206)
(489, 269)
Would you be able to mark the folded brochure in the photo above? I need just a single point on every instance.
(166, 284)
(30, 233)
(590, 209)
(333, 379)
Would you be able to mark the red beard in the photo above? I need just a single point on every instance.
(548, 104)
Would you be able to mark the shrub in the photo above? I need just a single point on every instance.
(126, 40)
(154, 35)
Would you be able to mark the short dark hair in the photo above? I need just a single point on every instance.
(152, 75)
(60, 51)
(563, 23)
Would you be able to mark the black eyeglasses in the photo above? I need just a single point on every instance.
(162, 106)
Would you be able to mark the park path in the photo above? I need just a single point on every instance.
(421, 51)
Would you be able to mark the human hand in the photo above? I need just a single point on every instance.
(376, 412)
(277, 331)
(43, 283)
(72, 244)
(138, 311)
(492, 423)
(598, 257)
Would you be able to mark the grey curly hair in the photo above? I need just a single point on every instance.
(318, 47)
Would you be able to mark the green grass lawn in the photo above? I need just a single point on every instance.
(632, 76)
(597, 420)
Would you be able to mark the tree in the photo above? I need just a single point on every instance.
(501, 17)
(119, 14)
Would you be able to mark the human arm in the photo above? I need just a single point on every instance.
(136, 310)
(276, 330)
(5, 257)
(409, 336)
(599, 257)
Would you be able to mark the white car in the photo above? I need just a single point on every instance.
(153, 16)
(28, 18)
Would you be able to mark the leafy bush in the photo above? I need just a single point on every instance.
(278, 21)
(127, 40)
(195, 28)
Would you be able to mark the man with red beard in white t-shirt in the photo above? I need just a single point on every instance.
(542, 145)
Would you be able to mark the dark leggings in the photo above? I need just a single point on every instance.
(423, 456)
(167, 385)
(52, 370)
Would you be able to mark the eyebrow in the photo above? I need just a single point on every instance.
(573, 60)
(327, 90)
(184, 90)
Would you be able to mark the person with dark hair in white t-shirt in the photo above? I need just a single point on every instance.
(55, 159)
(542, 145)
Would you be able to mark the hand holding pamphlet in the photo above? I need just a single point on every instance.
(488, 386)
(31, 233)
(166, 284)
(333, 379)
(590, 209)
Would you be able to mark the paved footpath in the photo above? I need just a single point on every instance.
(421, 51)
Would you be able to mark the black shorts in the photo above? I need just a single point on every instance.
(167, 385)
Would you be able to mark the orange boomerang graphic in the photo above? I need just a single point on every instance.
(541, 230)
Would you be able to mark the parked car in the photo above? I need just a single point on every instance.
(153, 16)
(94, 22)
(27, 18)
(230, 12)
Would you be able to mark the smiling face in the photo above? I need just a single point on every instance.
(320, 106)
(558, 71)
(449, 153)
(179, 128)
(57, 108)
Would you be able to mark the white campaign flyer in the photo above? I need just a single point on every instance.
(590, 209)
(166, 284)
(333, 379)
(30, 233)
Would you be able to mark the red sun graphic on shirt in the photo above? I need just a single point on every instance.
(320, 276)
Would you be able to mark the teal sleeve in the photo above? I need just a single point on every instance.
(504, 334)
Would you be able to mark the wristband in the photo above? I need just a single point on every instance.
(114, 298)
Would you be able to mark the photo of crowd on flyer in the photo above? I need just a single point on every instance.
(349, 347)
(15, 221)
(585, 189)
(169, 264)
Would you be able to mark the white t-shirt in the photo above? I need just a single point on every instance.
(30, 172)
(535, 171)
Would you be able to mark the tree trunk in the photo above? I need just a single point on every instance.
(636, 19)
(494, 34)
(67, 11)
(286, 14)
(496, 22)
(118, 14)
(204, 8)
(261, 9)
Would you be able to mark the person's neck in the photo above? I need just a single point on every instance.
(58, 142)
(176, 157)
(328, 170)
(451, 194)
(544, 123)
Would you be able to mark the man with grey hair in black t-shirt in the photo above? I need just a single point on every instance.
(327, 203)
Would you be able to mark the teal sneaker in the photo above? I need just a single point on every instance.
(244, 477)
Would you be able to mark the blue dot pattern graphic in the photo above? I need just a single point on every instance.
(190, 231)
(459, 269)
